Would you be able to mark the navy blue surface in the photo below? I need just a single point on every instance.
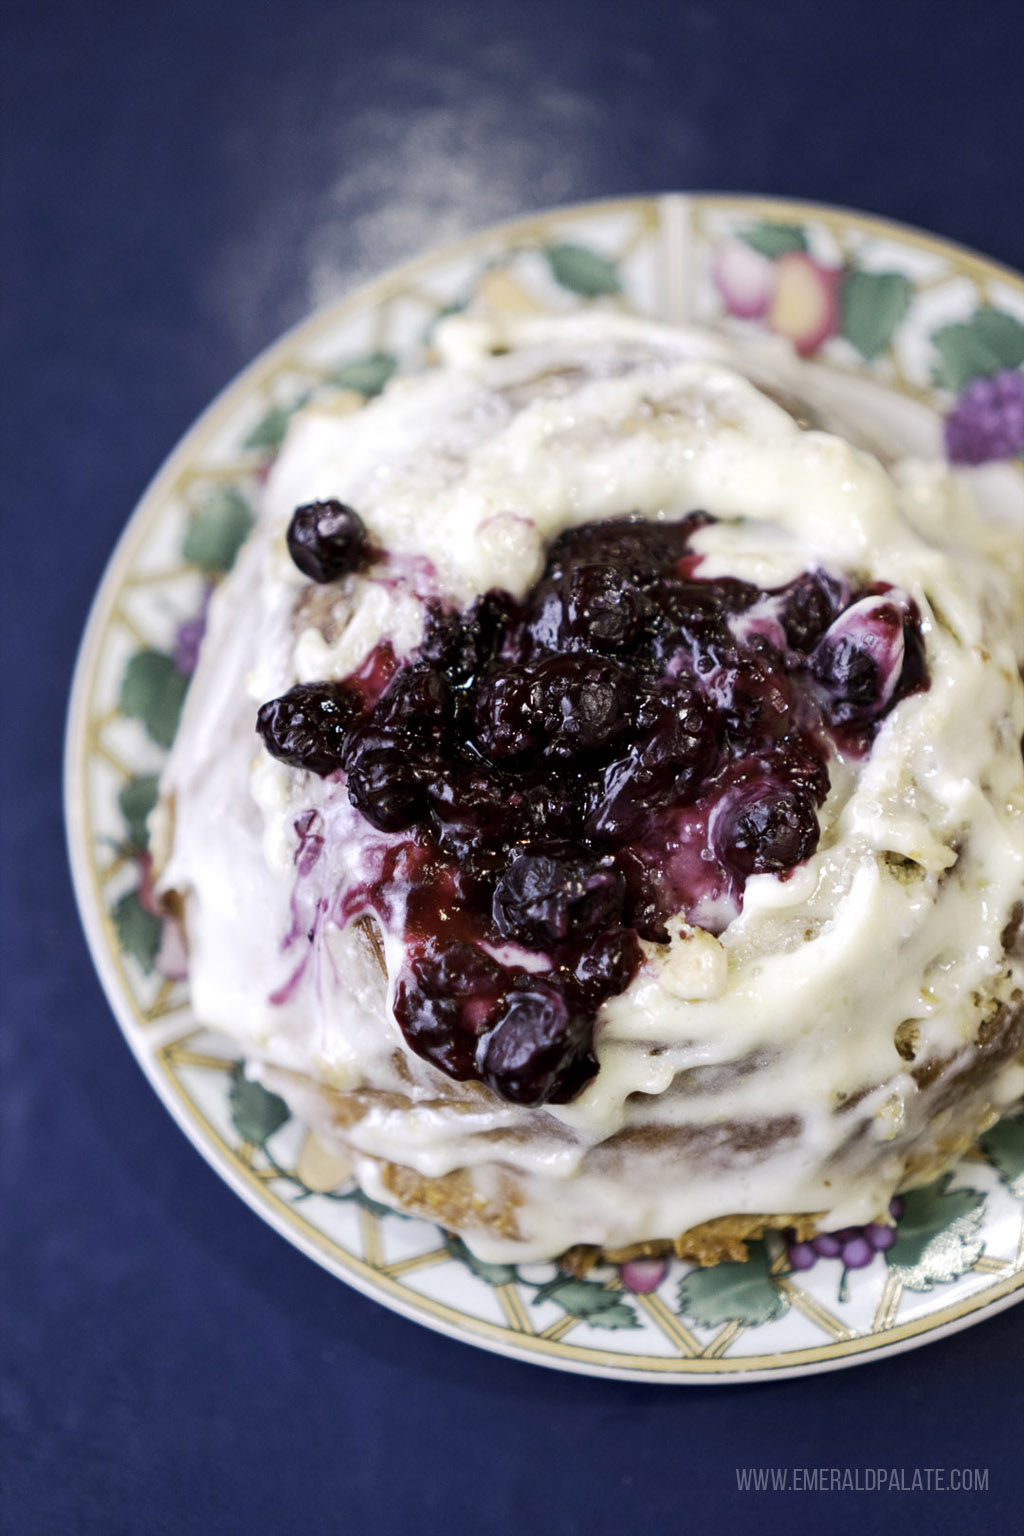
(180, 182)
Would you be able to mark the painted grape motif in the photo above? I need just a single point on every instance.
(855, 1247)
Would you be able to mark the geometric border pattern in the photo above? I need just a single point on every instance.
(661, 251)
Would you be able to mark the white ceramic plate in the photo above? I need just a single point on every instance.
(905, 324)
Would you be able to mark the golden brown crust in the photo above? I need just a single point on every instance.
(719, 1241)
(453, 1200)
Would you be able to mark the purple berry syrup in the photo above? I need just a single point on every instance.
(562, 775)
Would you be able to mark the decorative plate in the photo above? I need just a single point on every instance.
(878, 305)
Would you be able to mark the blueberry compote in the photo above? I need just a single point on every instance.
(563, 774)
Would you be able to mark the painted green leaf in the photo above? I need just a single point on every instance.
(621, 1315)
(965, 355)
(1003, 333)
(588, 1300)
(987, 343)
(217, 530)
(494, 1274)
(872, 305)
(582, 271)
(926, 1213)
(138, 931)
(936, 1237)
(774, 240)
(256, 1113)
(269, 433)
(742, 1293)
(367, 375)
(1003, 1145)
(153, 691)
(137, 799)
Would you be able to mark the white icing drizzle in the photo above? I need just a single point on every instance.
(464, 474)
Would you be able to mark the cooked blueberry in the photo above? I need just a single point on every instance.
(462, 644)
(458, 968)
(850, 673)
(755, 699)
(645, 908)
(562, 707)
(538, 1050)
(634, 544)
(431, 1026)
(547, 897)
(860, 658)
(677, 749)
(765, 828)
(326, 539)
(682, 731)
(808, 606)
(592, 607)
(619, 801)
(507, 712)
(441, 628)
(694, 614)
(387, 783)
(417, 700)
(474, 802)
(797, 761)
(471, 807)
(604, 608)
(549, 809)
(586, 705)
(307, 727)
(605, 968)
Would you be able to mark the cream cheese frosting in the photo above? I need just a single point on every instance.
(797, 1059)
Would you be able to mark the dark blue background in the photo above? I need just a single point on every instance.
(181, 182)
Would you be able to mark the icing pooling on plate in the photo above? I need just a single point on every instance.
(464, 476)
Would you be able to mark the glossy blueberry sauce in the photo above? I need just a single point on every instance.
(561, 775)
